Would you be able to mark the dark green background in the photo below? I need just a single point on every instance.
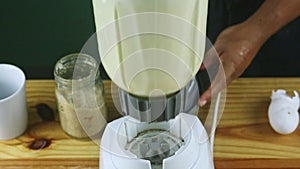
(34, 34)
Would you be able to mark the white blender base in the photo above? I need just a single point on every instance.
(195, 153)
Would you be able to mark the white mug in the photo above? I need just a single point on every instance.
(13, 109)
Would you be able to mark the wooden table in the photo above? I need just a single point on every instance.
(244, 139)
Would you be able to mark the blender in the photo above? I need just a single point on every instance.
(152, 50)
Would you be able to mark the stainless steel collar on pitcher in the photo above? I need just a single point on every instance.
(154, 109)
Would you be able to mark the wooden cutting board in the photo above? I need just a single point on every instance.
(244, 139)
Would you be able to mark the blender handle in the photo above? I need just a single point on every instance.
(214, 123)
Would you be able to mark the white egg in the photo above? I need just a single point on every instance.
(283, 112)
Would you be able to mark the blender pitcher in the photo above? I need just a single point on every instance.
(152, 50)
(140, 40)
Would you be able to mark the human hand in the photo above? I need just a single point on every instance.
(236, 47)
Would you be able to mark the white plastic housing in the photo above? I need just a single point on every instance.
(194, 154)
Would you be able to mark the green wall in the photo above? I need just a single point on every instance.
(34, 34)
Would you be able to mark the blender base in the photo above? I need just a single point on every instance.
(192, 153)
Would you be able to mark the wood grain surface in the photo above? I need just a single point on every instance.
(244, 138)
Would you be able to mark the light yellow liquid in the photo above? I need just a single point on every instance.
(152, 79)
(145, 62)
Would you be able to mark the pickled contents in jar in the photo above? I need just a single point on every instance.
(83, 120)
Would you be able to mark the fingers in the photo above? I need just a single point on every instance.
(213, 64)
(217, 85)
(205, 97)
(237, 50)
(211, 57)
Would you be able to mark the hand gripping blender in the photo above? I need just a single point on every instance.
(152, 50)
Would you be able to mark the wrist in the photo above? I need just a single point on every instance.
(272, 16)
(256, 34)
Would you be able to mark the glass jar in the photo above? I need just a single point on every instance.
(80, 96)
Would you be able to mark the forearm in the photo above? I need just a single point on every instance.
(273, 15)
